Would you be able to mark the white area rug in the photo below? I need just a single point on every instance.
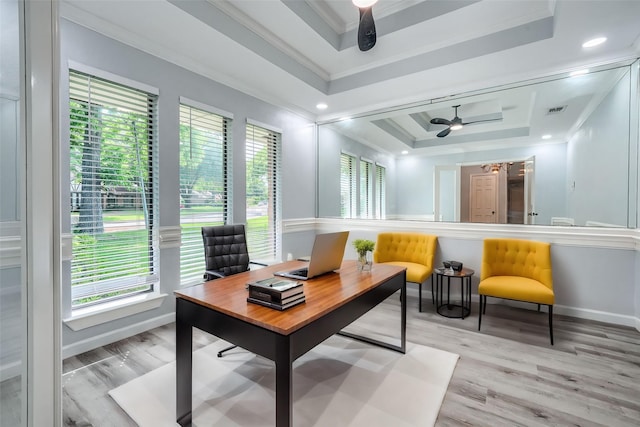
(339, 383)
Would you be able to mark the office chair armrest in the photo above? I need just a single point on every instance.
(261, 264)
(211, 275)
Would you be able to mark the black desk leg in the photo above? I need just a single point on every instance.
(403, 321)
(184, 362)
(284, 383)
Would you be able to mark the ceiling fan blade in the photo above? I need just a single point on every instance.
(366, 29)
(440, 121)
(482, 121)
(444, 133)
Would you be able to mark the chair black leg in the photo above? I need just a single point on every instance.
(226, 349)
(480, 312)
(551, 323)
(538, 308)
(420, 297)
(484, 305)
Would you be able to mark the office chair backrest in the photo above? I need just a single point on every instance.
(225, 249)
(515, 257)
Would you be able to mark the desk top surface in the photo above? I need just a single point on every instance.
(323, 294)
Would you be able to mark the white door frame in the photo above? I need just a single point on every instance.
(436, 190)
(41, 248)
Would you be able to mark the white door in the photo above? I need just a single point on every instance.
(484, 198)
(529, 199)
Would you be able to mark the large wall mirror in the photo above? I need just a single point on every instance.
(554, 151)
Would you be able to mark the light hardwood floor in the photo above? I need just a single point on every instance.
(507, 375)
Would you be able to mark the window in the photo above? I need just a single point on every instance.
(347, 186)
(366, 189)
(113, 191)
(263, 192)
(204, 184)
(381, 191)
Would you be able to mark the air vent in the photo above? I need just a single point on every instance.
(556, 110)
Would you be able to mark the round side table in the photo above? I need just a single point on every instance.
(457, 309)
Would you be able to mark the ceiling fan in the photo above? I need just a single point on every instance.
(367, 27)
(455, 124)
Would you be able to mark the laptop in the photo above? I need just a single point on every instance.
(326, 256)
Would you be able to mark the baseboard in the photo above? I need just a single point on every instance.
(579, 313)
(113, 336)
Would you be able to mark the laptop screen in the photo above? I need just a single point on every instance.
(326, 255)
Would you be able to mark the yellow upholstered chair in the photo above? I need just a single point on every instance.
(414, 251)
(517, 270)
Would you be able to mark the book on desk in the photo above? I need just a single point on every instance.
(276, 292)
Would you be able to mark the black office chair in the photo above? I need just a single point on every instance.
(225, 254)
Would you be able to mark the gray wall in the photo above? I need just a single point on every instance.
(89, 48)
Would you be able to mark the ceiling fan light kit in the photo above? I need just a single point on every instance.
(364, 3)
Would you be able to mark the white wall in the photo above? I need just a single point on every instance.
(598, 155)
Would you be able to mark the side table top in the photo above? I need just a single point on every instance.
(450, 273)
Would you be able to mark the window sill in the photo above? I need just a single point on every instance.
(102, 313)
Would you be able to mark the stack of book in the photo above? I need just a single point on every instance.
(276, 292)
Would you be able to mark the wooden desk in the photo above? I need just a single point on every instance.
(333, 301)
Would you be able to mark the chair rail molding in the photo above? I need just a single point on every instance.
(10, 244)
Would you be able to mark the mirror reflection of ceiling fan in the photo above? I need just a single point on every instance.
(454, 124)
(367, 27)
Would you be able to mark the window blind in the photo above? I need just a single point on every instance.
(263, 192)
(381, 192)
(112, 159)
(204, 184)
(347, 186)
(366, 189)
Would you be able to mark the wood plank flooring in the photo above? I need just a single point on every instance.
(508, 374)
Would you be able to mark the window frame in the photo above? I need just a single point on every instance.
(192, 263)
(97, 79)
(260, 133)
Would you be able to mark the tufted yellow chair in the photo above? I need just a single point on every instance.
(517, 270)
(414, 251)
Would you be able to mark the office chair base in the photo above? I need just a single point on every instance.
(220, 353)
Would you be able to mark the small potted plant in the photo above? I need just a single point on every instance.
(364, 247)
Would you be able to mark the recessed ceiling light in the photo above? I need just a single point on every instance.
(578, 72)
(321, 106)
(547, 136)
(405, 152)
(594, 42)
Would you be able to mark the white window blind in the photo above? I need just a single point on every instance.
(263, 192)
(112, 158)
(366, 189)
(347, 186)
(204, 184)
(381, 192)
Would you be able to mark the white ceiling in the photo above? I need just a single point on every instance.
(297, 53)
